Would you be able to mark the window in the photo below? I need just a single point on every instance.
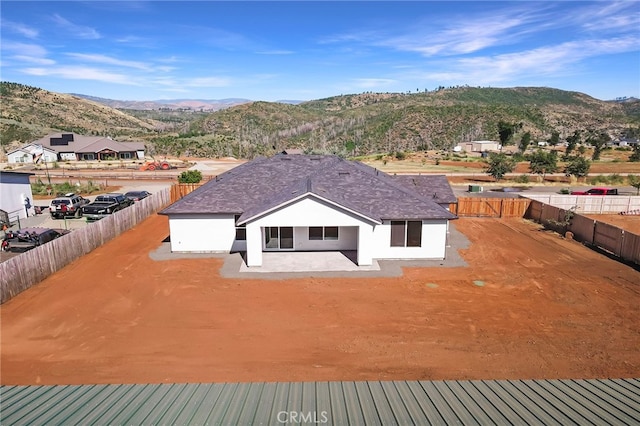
(125, 155)
(88, 157)
(406, 233)
(241, 230)
(319, 233)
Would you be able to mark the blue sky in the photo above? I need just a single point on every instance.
(147, 50)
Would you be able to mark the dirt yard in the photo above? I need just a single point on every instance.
(629, 223)
(529, 305)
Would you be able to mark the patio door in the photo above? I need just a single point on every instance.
(278, 238)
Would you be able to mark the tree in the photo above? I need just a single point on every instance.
(525, 141)
(499, 165)
(634, 180)
(577, 166)
(554, 139)
(190, 176)
(635, 155)
(506, 132)
(542, 162)
(597, 142)
(572, 142)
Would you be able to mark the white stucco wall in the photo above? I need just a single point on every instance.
(19, 157)
(13, 190)
(347, 239)
(71, 156)
(202, 233)
(434, 240)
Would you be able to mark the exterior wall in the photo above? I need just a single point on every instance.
(434, 240)
(202, 233)
(14, 188)
(140, 154)
(347, 240)
(71, 156)
(19, 157)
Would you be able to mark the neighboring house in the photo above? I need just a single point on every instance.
(74, 147)
(16, 198)
(314, 203)
(478, 146)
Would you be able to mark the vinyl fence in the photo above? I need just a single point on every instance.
(590, 203)
(623, 244)
(490, 207)
(29, 268)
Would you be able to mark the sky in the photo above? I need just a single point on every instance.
(303, 50)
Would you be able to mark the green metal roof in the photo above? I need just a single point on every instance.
(482, 402)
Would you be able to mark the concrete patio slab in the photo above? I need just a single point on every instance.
(307, 261)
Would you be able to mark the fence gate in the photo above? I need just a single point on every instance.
(491, 207)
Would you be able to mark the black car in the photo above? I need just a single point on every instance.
(28, 238)
(137, 195)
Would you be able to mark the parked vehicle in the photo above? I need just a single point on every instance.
(29, 238)
(67, 205)
(137, 195)
(104, 205)
(597, 191)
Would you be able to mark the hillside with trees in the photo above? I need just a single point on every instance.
(348, 125)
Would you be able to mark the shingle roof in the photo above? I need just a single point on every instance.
(256, 187)
(484, 402)
(431, 186)
(81, 143)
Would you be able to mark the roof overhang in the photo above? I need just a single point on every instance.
(256, 216)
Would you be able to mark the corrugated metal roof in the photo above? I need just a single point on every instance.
(340, 403)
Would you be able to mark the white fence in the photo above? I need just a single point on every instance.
(590, 203)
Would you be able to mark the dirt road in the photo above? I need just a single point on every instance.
(530, 305)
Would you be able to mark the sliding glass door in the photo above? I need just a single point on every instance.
(278, 238)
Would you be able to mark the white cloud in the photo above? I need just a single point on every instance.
(33, 60)
(79, 31)
(21, 29)
(103, 59)
(82, 73)
(24, 49)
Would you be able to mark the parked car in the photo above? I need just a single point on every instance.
(29, 238)
(105, 205)
(67, 205)
(137, 195)
(597, 191)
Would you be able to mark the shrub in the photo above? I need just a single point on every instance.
(522, 179)
(190, 176)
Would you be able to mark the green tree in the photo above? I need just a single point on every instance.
(635, 155)
(542, 162)
(572, 142)
(577, 166)
(634, 180)
(499, 165)
(506, 132)
(597, 142)
(554, 139)
(190, 176)
(525, 141)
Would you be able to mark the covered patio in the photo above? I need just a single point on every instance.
(309, 261)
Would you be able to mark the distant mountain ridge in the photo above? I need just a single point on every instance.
(350, 125)
(175, 104)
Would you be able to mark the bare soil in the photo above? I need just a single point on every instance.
(530, 305)
(629, 223)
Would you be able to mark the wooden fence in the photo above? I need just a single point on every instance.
(490, 207)
(29, 268)
(621, 243)
(179, 190)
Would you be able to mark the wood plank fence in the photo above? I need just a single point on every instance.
(621, 243)
(29, 268)
(490, 207)
(179, 190)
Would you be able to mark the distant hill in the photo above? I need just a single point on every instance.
(350, 125)
(171, 104)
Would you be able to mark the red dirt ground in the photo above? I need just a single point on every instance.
(545, 308)
(629, 223)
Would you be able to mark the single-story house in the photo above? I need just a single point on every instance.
(74, 147)
(478, 146)
(16, 198)
(314, 203)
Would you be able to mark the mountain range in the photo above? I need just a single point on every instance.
(356, 124)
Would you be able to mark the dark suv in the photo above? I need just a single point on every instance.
(28, 238)
(67, 205)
